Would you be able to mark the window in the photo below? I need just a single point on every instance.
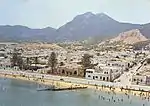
(141, 80)
(103, 78)
(105, 72)
(75, 73)
(89, 76)
(100, 77)
(70, 73)
(93, 77)
(67, 73)
(89, 71)
(107, 78)
(134, 79)
(96, 77)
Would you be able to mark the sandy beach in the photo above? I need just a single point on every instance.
(65, 84)
(59, 84)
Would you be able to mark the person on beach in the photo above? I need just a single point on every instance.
(99, 97)
(122, 100)
(128, 97)
(130, 101)
(112, 97)
(148, 99)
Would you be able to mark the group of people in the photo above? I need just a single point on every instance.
(112, 96)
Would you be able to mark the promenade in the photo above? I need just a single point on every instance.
(61, 81)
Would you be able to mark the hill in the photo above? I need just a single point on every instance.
(19, 33)
(130, 37)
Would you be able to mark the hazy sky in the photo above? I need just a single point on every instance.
(54, 13)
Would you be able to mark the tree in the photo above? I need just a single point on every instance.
(28, 63)
(36, 61)
(17, 60)
(20, 62)
(86, 62)
(14, 58)
(52, 62)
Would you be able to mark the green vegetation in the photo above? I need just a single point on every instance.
(86, 62)
(17, 60)
(52, 62)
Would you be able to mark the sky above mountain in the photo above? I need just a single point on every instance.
(55, 13)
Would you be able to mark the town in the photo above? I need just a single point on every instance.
(125, 66)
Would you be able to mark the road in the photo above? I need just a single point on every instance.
(80, 80)
(126, 77)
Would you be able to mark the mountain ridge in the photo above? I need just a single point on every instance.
(82, 26)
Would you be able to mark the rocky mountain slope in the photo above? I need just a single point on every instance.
(130, 37)
(93, 25)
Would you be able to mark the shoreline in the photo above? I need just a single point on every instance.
(45, 82)
(65, 84)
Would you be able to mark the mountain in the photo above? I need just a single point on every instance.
(130, 37)
(84, 26)
(93, 25)
(18, 32)
(145, 30)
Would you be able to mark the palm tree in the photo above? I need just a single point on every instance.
(14, 58)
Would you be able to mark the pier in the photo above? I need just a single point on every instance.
(70, 88)
(61, 89)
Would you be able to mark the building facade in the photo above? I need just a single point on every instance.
(105, 74)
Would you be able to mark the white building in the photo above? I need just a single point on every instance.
(104, 73)
(141, 79)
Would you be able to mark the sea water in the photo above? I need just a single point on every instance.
(24, 93)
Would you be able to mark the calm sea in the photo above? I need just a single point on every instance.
(23, 93)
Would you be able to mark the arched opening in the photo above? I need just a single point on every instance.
(75, 72)
(70, 73)
(67, 73)
(103, 78)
